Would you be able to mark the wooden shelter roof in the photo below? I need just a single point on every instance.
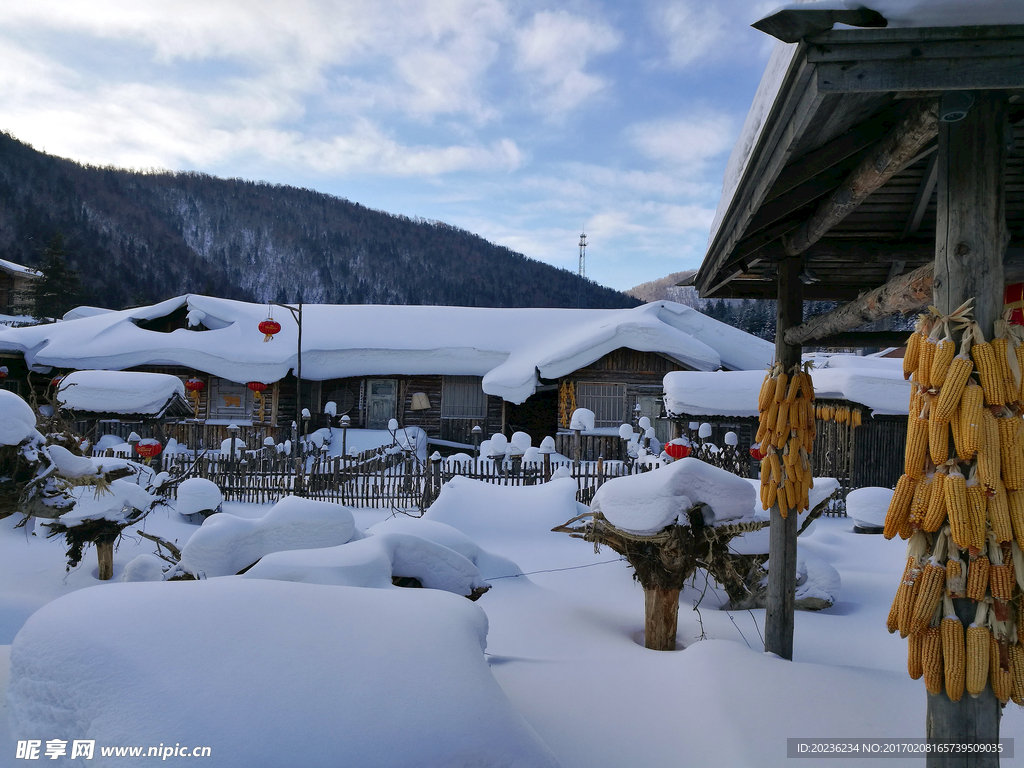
(842, 96)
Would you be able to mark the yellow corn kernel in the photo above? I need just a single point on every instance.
(953, 656)
(892, 622)
(989, 372)
(1001, 350)
(945, 350)
(970, 419)
(1020, 364)
(953, 388)
(1011, 453)
(767, 393)
(899, 506)
(929, 594)
(905, 610)
(794, 387)
(914, 656)
(1000, 581)
(999, 675)
(919, 504)
(977, 506)
(911, 356)
(1017, 667)
(936, 514)
(976, 653)
(917, 446)
(938, 441)
(1015, 501)
(781, 381)
(989, 455)
(931, 659)
(999, 514)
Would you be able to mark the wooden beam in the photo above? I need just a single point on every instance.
(970, 238)
(855, 250)
(781, 599)
(861, 339)
(907, 293)
(954, 74)
(924, 196)
(879, 165)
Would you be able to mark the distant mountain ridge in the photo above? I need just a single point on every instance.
(137, 238)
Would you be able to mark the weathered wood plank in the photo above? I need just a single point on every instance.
(959, 74)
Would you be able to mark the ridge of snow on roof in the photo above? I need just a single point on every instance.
(18, 269)
(125, 392)
(870, 381)
(505, 346)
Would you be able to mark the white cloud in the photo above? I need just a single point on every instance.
(685, 143)
(553, 51)
(691, 30)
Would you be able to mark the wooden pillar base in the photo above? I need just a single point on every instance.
(105, 559)
(661, 616)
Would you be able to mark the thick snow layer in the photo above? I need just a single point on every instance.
(269, 673)
(868, 506)
(490, 565)
(126, 392)
(648, 502)
(17, 269)
(929, 13)
(372, 562)
(816, 579)
(226, 544)
(734, 393)
(197, 494)
(118, 502)
(145, 567)
(507, 347)
(17, 421)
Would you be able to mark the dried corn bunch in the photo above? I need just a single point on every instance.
(915, 666)
(1000, 675)
(856, 418)
(923, 374)
(977, 647)
(917, 446)
(1007, 338)
(953, 652)
(1017, 665)
(906, 594)
(956, 578)
(957, 510)
(1000, 579)
(938, 440)
(911, 358)
(930, 592)
(945, 351)
(918, 506)
(892, 623)
(989, 455)
(977, 507)
(1015, 501)
(977, 578)
(999, 514)
(1011, 450)
(958, 372)
(898, 515)
(787, 430)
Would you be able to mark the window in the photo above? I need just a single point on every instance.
(462, 397)
(605, 400)
(230, 400)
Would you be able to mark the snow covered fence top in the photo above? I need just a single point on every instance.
(873, 382)
(17, 421)
(507, 347)
(124, 392)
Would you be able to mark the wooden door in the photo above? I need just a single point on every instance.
(381, 399)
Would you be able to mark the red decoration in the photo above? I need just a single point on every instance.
(269, 327)
(3, 371)
(148, 448)
(677, 450)
(756, 453)
(56, 380)
(1013, 299)
(195, 385)
(256, 386)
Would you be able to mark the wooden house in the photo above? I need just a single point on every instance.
(444, 369)
(16, 287)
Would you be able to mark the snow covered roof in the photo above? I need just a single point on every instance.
(874, 382)
(509, 348)
(122, 392)
(17, 269)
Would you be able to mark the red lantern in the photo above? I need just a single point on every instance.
(1013, 299)
(677, 450)
(269, 327)
(3, 371)
(256, 386)
(147, 449)
(755, 452)
(55, 381)
(194, 384)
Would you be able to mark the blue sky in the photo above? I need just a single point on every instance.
(520, 121)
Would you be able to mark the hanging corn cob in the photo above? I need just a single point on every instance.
(953, 651)
(931, 659)
(976, 652)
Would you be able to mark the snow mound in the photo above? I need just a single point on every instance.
(270, 673)
(490, 565)
(122, 498)
(372, 562)
(127, 392)
(817, 583)
(868, 506)
(226, 544)
(17, 421)
(198, 494)
(144, 567)
(648, 502)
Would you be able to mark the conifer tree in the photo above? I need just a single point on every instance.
(59, 289)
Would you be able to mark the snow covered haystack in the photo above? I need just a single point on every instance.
(17, 421)
(270, 673)
(226, 544)
(868, 507)
(198, 498)
(648, 502)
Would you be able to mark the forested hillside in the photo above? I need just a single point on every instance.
(141, 237)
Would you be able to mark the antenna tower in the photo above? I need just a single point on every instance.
(583, 254)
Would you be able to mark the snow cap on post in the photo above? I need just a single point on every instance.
(582, 419)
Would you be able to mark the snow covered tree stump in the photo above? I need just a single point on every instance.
(105, 559)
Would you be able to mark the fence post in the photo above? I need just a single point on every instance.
(435, 471)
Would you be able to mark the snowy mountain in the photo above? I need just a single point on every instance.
(177, 233)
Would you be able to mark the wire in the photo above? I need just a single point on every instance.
(555, 570)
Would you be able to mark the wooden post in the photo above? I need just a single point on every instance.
(778, 622)
(661, 616)
(970, 239)
(105, 559)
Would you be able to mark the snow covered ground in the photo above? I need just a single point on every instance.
(563, 642)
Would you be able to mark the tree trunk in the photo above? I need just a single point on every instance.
(105, 559)
(661, 615)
